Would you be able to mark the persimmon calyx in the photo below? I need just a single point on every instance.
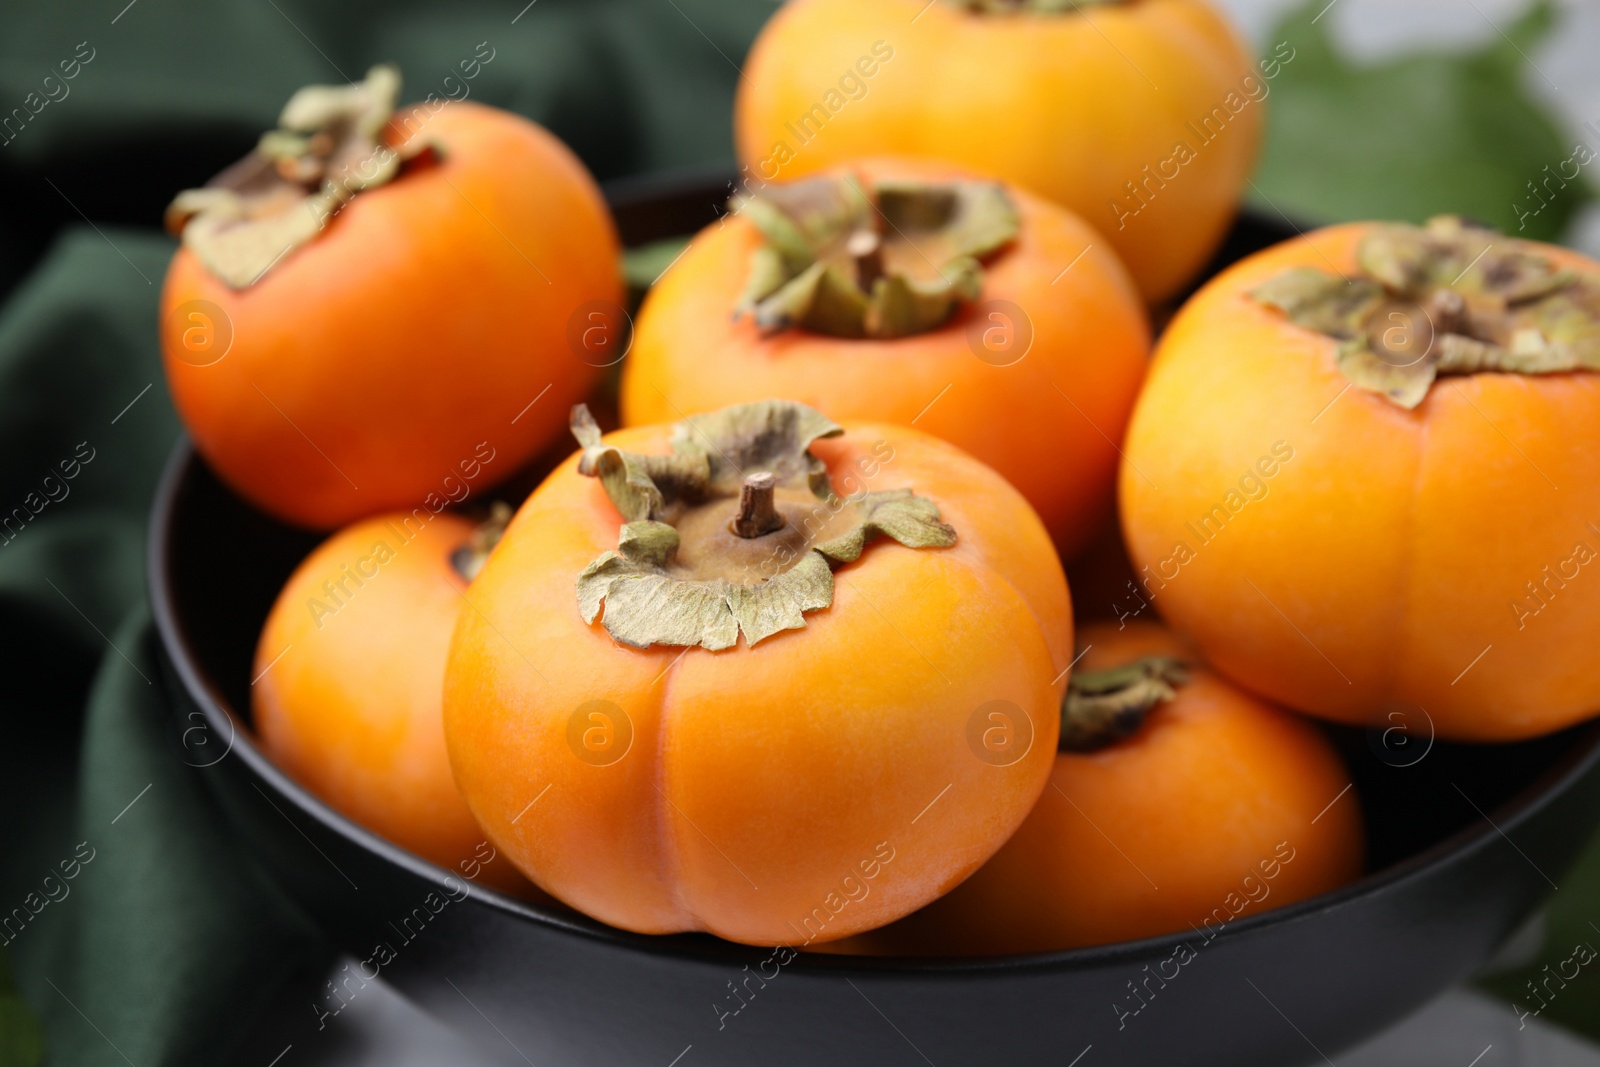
(1102, 707)
(1447, 298)
(328, 146)
(738, 530)
(891, 261)
(468, 560)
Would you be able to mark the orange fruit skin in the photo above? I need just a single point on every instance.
(1381, 570)
(815, 785)
(366, 365)
(1048, 422)
(348, 696)
(1071, 107)
(1221, 806)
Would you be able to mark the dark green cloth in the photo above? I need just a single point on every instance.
(152, 936)
(177, 89)
(165, 938)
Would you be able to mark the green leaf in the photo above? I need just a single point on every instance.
(1571, 936)
(1421, 134)
(641, 266)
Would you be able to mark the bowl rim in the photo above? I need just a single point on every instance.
(185, 461)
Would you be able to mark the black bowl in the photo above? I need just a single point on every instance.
(1464, 843)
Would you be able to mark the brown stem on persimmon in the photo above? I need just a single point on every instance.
(758, 514)
(866, 249)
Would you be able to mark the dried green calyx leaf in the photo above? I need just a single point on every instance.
(328, 146)
(468, 560)
(1446, 298)
(1102, 707)
(638, 484)
(737, 530)
(1323, 302)
(894, 513)
(891, 261)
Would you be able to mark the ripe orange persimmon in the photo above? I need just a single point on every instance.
(1143, 117)
(876, 735)
(1177, 804)
(1362, 478)
(351, 666)
(347, 321)
(1029, 360)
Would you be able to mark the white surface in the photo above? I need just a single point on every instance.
(380, 1028)
(1460, 1027)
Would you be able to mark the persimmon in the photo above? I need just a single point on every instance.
(758, 675)
(350, 670)
(903, 292)
(367, 297)
(1141, 116)
(1178, 803)
(1362, 478)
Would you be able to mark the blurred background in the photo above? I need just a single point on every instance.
(1407, 107)
(171, 941)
